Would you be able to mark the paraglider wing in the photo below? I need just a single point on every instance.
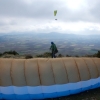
(55, 12)
(37, 79)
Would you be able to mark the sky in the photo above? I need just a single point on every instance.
(37, 16)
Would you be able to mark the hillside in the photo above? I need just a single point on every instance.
(67, 44)
(14, 54)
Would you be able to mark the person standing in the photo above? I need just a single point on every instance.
(54, 50)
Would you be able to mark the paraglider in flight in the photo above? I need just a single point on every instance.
(55, 13)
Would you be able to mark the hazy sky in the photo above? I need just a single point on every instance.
(74, 16)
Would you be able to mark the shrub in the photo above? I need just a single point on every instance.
(0, 54)
(76, 56)
(60, 55)
(68, 56)
(28, 56)
(47, 54)
(39, 55)
(11, 52)
(98, 54)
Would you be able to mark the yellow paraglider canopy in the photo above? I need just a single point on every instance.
(55, 13)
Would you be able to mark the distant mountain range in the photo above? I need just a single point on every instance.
(50, 35)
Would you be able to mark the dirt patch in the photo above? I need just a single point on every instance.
(93, 94)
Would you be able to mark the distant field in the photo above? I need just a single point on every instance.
(36, 44)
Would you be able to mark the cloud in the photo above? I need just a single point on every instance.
(37, 15)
